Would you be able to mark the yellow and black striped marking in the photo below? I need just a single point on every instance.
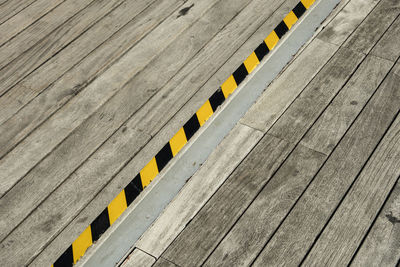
(93, 232)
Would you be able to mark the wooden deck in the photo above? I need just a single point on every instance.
(310, 176)
(91, 90)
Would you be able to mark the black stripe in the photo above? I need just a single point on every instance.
(240, 74)
(217, 99)
(261, 51)
(100, 225)
(164, 156)
(281, 29)
(66, 259)
(299, 9)
(191, 127)
(132, 190)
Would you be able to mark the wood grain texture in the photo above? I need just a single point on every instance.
(347, 105)
(92, 133)
(36, 32)
(23, 19)
(345, 231)
(9, 9)
(161, 262)
(382, 245)
(347, 21)
(138, 258)
(48, 46)
(284, 90)
(316, 96)
(247, 238)
(45, 138)
(299, 230)
(62, 205)
(61, 89)
(389, 45)
(374, 26)
(194, 77)
(212, 174)
(208, 227)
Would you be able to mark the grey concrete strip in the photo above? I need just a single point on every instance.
(115, 243)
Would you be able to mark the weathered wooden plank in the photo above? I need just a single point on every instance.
(222, 216)
(282, 92)
(247, 238)
(38, 30)
(345, 231)
(75, 79)
(90, 135)
(344, 24)
(48, 46)
(192, 86)
(138, 258)
(208, 227)
(62, 205)
(296, 235)
(316, 96)
(345, 107)
(8, 9)
(23, 19)
(161, 262)
(199, 189)
(389, 46)
(382, 245)
(374, 26)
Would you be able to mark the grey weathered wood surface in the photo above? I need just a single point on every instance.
(346, 105)
(61, 89)
(48, 46)
(389, 45)
(23, 19)
(161, 262)
(374, 26)
(138, 258)
(9, 8)
(242, 244)
(199, 189)
(289, 85)
(196, 242)
(381, 246)
(342, 236)
(297, 233)
(88, 136)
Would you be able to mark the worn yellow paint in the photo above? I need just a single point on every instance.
(228, 86)
(178, 141)
(149, 172)
(117, 207)
(251, 62)
(271, 40)
(290, 19)
(204, 113)
(307, 3)
(81, 244)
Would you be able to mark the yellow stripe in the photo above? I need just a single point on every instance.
(228, 86)
(178, 141)
(148, 173)
(117, 207)
(204, 112)
(271, 40)
(251, 62)
(307, 3)
(290, 19)
(81, 244)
